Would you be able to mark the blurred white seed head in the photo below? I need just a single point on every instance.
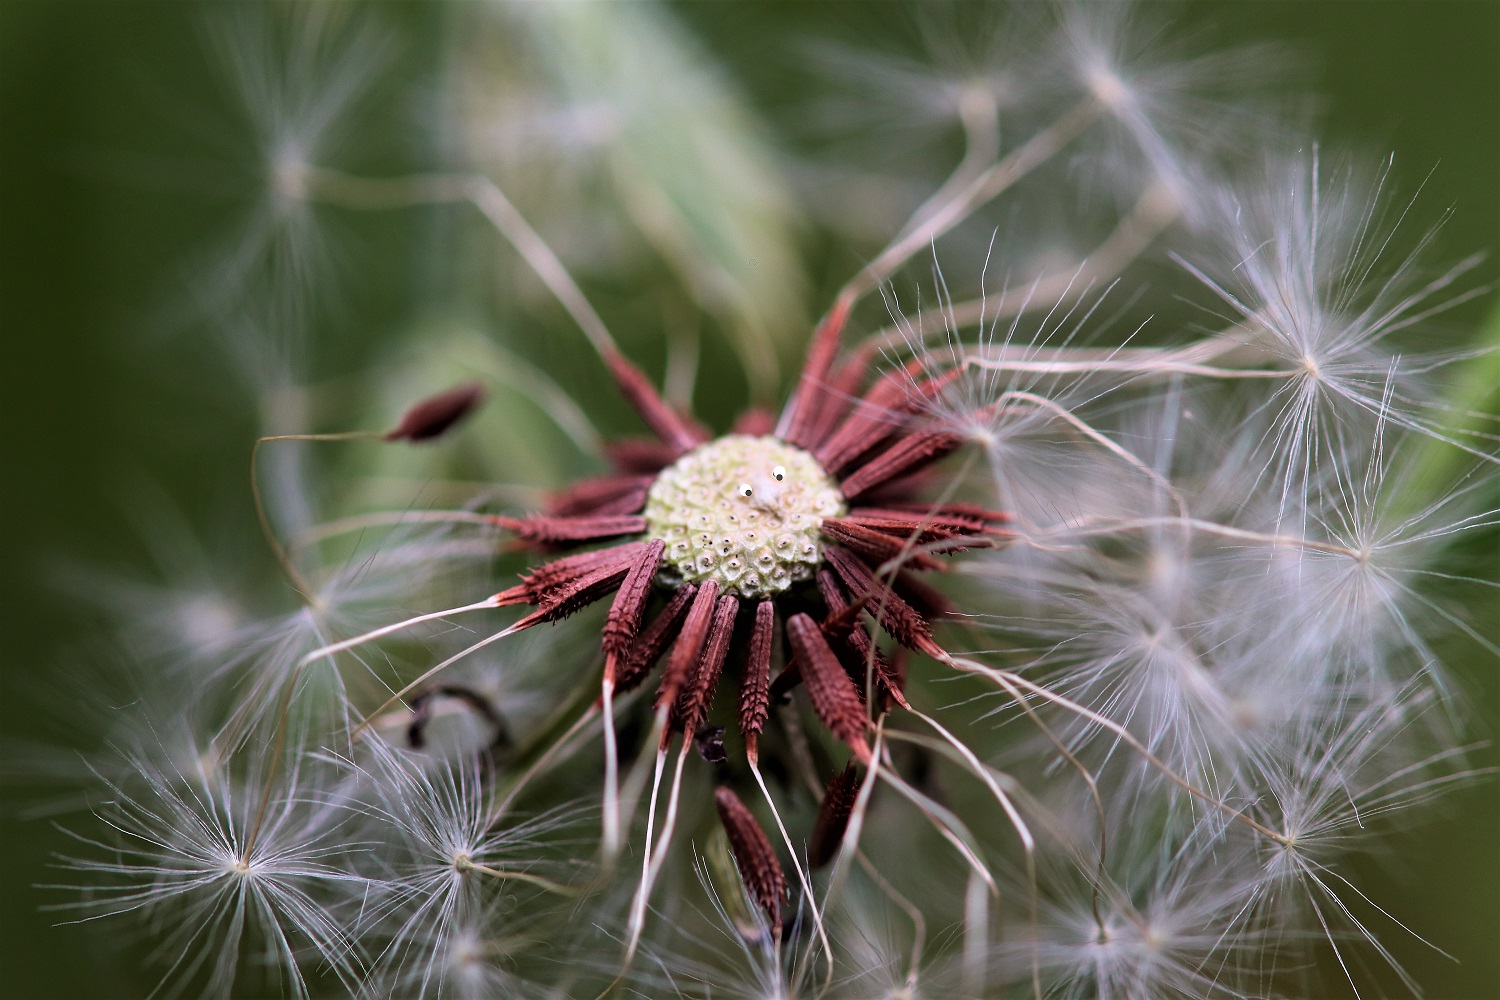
(298, 77)
(1179, 113)
(226, 867)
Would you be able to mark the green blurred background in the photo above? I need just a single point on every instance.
(114, 176)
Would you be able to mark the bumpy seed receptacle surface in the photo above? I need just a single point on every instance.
(754, 546)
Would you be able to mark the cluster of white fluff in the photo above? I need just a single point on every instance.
(1194, 684)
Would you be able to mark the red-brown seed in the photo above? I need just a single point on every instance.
(519, 594)
(629, 606)
(755, 422)
(877, 546)
(841, 614)
(640, 656)
(968, 511)
(578, 594)
(757, 863)
(929, 602)
(929, 525)
(689, 644)
(602, 496)
(789, 678)
(909, 527)
(692, 703)
(897, 667)
(833, 695)
(833, 817)
(755, 701)
(665, 422)
(801, 414)
(842, 391)
(907, 454)
(436, 415)
(541, 529)
(542, 581)
(872, 431)
(843, 621)
(900, 619)
(639, 456)
(888, 679)
(882, 413)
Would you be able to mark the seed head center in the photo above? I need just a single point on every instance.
(744, 512)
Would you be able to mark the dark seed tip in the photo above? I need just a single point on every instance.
(833, 817)
(436, 415)
(753, 856)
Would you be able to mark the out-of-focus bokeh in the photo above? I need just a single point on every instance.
(131, 203)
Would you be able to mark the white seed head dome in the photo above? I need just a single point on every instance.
(744, 512)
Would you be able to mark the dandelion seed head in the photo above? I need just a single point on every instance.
(971, 66)
(219, 858)
(480, 955)
(1308, 268)
(297, 78)
(446, 859)
(726, 516)
(1149, 923)
(1177, 116)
